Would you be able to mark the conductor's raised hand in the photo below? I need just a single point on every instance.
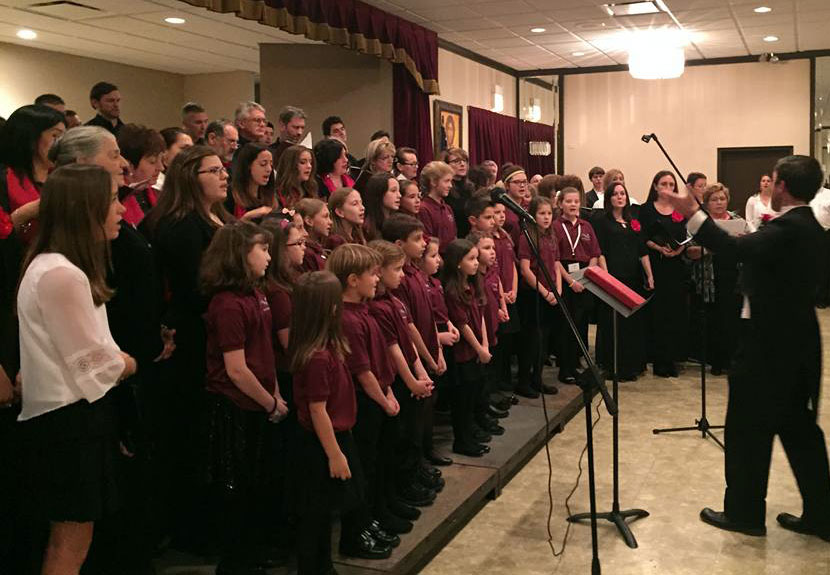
(682, 201)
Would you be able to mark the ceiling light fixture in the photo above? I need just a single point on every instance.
(762, 10)
(631, 8)
(538, 30)
(174, 20)
(26, 34)
(770, 38)
(577, 53)
(657, 54)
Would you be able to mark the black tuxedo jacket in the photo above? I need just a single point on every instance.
(779, 355)
(590, 198)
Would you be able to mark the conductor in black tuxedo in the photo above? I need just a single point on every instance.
(776, 372)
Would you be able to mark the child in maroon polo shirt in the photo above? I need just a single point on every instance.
(356, 266)
(578, 248)
(435, 213)
(494, 312)
(416, 484)
(536, 300)
(506, 258)
(327, 470)
(241, 382)
(317, 222)
(465, 299)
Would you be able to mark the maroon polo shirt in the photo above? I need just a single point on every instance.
(436, 298)
(490, 282)
(239, 321)
(314, 258)
(462, 314)
(325, 378)
(413, 291)
(393, 320)
(280, 302)
(366, 344)
(549, 253)
(506, 256)
(511, 226)
(438, 221)
(582, 251)
(335, 241)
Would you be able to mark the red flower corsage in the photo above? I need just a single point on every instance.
(765, 218)
(676, 217)
(635, 225)
(6, 225)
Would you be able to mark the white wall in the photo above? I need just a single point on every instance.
(468, 83)
(148, 96)
(708, 107)
(219, 93)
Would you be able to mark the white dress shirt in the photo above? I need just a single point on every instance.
(821, 207)
(66, 349)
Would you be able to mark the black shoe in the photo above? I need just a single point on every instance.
(513, 399)
(673, 371)
(567, 378)
(437, 459)
(501, 404)
(494, 411)
(365, 547)
(404, 511)
(550, 389)
(436, 484)
(721, 521)
(382, 536)
(481, 436)
(473, 450)
(392, 523)
(662, 372)
(491, 427)
(416, 494)
(527, 391)
(429, 469)
(793, 523)
(236, 567)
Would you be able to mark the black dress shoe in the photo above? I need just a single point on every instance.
(403, 510)
(721, 521)
(793, 523)
(438, 459)
(432, 482)
(429, 469)
(480, 436)
(494, 411)
(501, 404)
(365, 547)
(382, 536)
(392, 523)
(416, 494)
(491, 427)
(513, 399)
(527, 391)
(662, 372)
(567, 378)
(474, 450)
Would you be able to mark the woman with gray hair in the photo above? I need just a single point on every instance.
(90, 145)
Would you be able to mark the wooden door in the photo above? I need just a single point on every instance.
(740, 170)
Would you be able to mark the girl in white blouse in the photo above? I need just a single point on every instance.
(759, 206)
(69, 362)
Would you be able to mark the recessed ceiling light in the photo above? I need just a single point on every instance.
(174, 20)
(762, 9)
(577, 53)
(631, 8)
(538, 30)
(770, 38)
(26, 34)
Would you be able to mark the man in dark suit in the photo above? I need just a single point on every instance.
(776, 373)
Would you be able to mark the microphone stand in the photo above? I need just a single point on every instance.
(702, 425)
(587, 384)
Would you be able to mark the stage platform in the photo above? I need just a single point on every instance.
(470, 483)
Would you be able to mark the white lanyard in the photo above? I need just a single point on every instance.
(575, 244)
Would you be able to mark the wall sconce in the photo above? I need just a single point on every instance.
(498, 99)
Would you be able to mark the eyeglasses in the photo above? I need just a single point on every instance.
(458, 161)
(216, 170)
(258, 120)
(408, 163)
(297, 243)
(519, 182)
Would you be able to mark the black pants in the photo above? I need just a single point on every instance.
(469, 376)
(579, 304)
(749, 435)
(375, 435)
(536, 316)
(317, 494)
(410, 433)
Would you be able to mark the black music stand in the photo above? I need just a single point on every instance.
(615, 516)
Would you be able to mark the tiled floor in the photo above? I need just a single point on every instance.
(672, 476)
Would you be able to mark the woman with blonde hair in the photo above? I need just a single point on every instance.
(380, 156)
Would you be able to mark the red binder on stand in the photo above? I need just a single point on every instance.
(609, 289)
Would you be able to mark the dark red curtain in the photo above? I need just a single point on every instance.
(410, 108)
(349, 23)
(493, 137)
(533, 132)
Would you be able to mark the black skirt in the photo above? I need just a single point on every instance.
(70, 461)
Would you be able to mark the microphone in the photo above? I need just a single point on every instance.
(647, 137)
(500, 196)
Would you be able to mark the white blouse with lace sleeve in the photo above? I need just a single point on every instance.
(67, 352)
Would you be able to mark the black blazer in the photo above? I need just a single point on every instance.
(780, 351)
(590, 198)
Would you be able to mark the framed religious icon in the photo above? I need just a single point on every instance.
(447, 126)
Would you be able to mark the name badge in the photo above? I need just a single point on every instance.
(573, 268)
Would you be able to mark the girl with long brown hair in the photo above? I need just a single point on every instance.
(348, 216)
(383, 198)
(70, 363)
(295, 176)
(317, 221)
